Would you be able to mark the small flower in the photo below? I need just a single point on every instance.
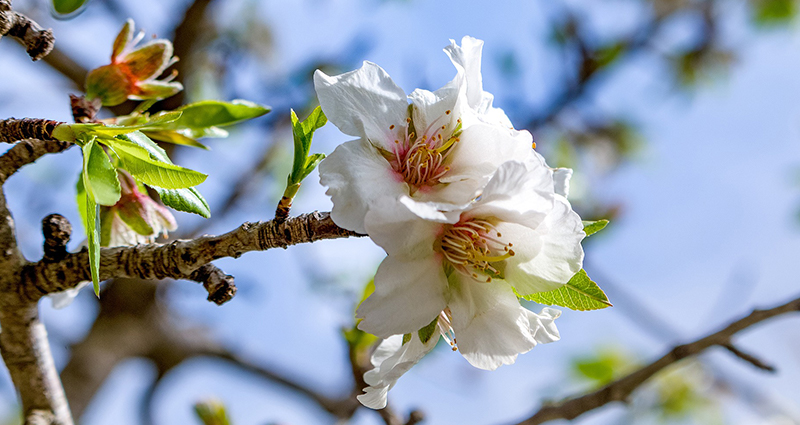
(133, 71)
(441, 147)
(518, 237)
(135, 218)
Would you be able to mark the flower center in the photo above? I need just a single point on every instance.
(420, 159)
(474, 247)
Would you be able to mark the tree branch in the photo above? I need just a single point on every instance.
(179, 259)
(620, 389)
(12, 129)
(26, 152)
(37, 41)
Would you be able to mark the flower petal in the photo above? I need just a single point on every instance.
(356, 175)
(391, 360)
(149, 60)
(398, 229)
(482, 148)
(467, 59)
(155, 90)
(550, 255)
(561, 178)
(65, 298)
(542, 325)
(490, 325)
(363, 103)
(408, 295)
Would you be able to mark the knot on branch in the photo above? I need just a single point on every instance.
(219, 285)
(57, 231)
(84, 111)
(38, 41)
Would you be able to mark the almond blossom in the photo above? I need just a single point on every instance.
(441, 147)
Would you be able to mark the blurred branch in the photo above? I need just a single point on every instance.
(619, 390)
(26, 152)
(67, 66)
(37, 41)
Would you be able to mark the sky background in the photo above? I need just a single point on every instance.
(708, 228)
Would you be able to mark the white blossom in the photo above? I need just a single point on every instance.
(441, 147)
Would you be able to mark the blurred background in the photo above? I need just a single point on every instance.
(679, 117)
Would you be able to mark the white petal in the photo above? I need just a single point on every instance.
(65, 298)
(401, 232)
(467, 59)
(362, 103)
(356, 175)
(491, 328)
(516, 194)
(408, 296)
(561, 178)
(483, 148)
(430, 109)
(391, 360)
(542, 325)
(550, 255)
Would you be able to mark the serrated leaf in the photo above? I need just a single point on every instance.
(186, 200)
(88, 210)
(592, 227)
(160, 174)
(580, 293)
(146, 161)
(101, 177)
(171, 136)
(427, 332)
(214, 113)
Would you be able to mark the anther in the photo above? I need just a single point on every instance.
(391, 127)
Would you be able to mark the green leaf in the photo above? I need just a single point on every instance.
(88, 210)
(302, 133)
(774, 12)
(214, 113)
(592, 227)
(101, 177)
(156, 173)
(67, 7)
(186, 200)
(580, 293)
(427, 332)
(141, 157)
(171, 136)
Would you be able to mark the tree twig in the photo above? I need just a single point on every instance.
(12, 129)
(37, 41)
(620, 389)
(178, 259)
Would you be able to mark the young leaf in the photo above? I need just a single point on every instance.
(580, 293)
(214, 113)
(186, 200)
(171, 136)
(592, 227)
(302, 133)
(150, 164)
(88, 211)
(101, 177)
(157, 173)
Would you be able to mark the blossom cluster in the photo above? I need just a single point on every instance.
(470, 216)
